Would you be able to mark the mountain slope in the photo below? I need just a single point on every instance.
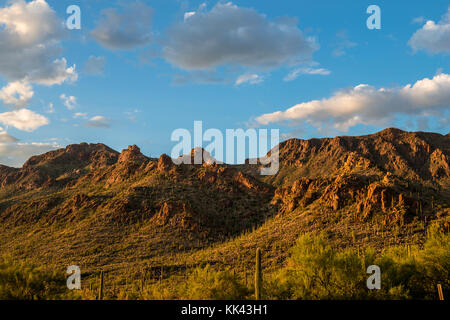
(92, 206)
(416, 156)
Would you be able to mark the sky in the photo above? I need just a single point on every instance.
(138, 70)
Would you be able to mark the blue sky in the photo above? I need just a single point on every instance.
(140, 70)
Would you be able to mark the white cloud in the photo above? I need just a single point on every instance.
(69, 101)
(99, 122)
(232, 35)
(57, 73)
(30, 35)
(124, 30)
(23, 119)
(364, 104)
(32, 22)
(94, 65)
(15, 154)
(306, 70)
(5, 137)
(189, 14)
(16, 94)
(433, 37)
(250, 78)
(80, 115)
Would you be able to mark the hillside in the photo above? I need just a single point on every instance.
(129, 214)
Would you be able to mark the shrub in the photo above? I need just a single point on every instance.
(25, 281)
(315, 270)
(209, 284)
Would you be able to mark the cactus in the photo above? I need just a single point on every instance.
(441, 294)
(100, 288)
(245, 276)
(258, 274)
(143, 279)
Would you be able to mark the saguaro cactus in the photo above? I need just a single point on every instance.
(258, 275)
(441, 294)
(245, 275)
(100, 288)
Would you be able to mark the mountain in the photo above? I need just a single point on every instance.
(417, 156)
(89, 205)
(385, 170)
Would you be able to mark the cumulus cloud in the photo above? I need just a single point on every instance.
(306, 70)
(99, 122)
(433, 37)
(128, 29)
(56, 73)
(232, 35)
(364, 104)
(16, 94)
(69, 101)
(250, 78)
(23, 119)
(94, 65)
(15, 154)
(30, 34)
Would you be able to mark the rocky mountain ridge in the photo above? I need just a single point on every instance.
(390, 181)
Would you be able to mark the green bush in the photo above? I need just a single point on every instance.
(25, 281)
(209, 284)
(315, 270)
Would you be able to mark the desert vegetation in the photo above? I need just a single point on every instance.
(160, 231)
(313, 270)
